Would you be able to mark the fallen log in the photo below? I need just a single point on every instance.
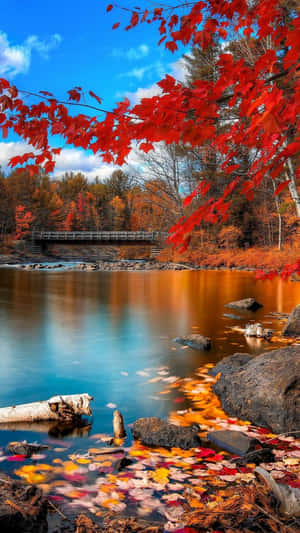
(69, 407)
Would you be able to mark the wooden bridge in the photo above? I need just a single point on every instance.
(41, 239)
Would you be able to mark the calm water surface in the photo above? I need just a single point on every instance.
(73, 332)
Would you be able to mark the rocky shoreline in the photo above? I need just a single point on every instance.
(27, 261)
(50, 263)
(122, 265)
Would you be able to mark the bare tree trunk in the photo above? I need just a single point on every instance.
(290, 174)
(293, 186)
(279, 217)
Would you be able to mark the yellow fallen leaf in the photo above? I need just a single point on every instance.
(161, 475)
(137, 453)
(291, 461)
(109, 502)
(74, 494)
(118, 442)
(44, 467)
(107, 488)
(26, 469)
(195, 503)
(111, 478)
(70, 467)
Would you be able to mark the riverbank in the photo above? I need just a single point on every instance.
(204, 258)
(252, 259)
(139, 488)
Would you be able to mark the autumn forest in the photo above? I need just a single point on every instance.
(169, 183)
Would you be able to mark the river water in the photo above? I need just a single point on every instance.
(110, 334)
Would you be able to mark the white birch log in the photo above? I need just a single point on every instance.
(56, 408)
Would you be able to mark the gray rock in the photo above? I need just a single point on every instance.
(247, 304)
(155, 432)
(24, 448)
(229, 315)
(230, 364)
(232, 441)
(295, 277)
(292, 327)
(90, 267)
(196, 341)
(265, 390)
(251, 450)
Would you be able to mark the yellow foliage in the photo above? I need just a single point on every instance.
(161, 475)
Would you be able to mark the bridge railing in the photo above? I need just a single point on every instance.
(98, 235)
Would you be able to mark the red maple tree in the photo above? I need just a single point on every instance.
(264, 92)
(24, 219)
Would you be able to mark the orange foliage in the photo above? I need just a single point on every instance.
(249, 259)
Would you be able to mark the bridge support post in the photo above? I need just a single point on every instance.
(155, 251)
(36, 247)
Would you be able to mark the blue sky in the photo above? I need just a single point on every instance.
(56, 45)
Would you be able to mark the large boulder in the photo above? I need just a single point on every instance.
(155, 432)
(265, 390)
(195, 340)
(230, 364)
(292, 327)
(247, 304)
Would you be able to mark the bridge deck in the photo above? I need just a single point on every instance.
(99, 236)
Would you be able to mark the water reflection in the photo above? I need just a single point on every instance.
(75, 332)
(52, 428)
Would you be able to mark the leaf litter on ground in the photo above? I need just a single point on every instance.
(184, 488)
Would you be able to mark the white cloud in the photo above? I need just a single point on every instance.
(176, 69)
(16, 58)
(156, 69)
(43, 47)
(12, 149)
(142, 92)
(132, 54)
(70, 159)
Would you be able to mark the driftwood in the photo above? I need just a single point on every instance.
(256, 330)
(288, 497)
(118, 425)
(56, 408)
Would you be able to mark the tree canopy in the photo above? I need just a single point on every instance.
(256, 75)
